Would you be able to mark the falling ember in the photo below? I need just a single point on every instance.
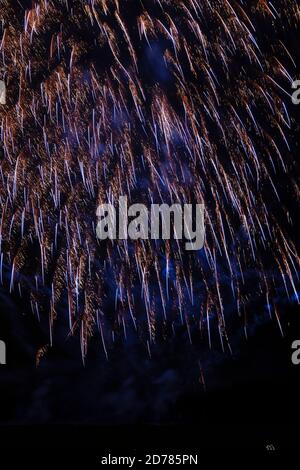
(163, 102)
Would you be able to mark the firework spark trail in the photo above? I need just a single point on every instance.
(86, 121)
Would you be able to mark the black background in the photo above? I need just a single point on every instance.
(251, 399)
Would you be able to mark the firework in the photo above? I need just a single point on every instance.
(163, 102)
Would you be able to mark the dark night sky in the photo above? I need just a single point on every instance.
(257, 384)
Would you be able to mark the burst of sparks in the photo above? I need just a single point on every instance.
(86, 121)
